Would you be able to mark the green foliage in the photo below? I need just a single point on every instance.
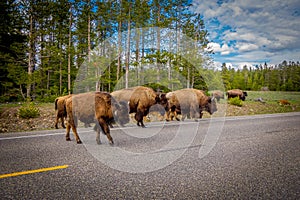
(158, 87)
(236, 101)
(46, 98)
(28, 111)
(75, 28)
(284, 76)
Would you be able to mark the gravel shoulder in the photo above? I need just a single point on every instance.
(11, 122)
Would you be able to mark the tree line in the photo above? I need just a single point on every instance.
(45, 43)
(52, 48)
(284, 76)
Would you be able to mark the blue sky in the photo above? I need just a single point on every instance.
(251, 32)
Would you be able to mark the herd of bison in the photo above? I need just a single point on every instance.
(104, 108)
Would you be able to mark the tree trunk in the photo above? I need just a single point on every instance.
(119, 42)
(69, 52)
(137, 55)
(30, 57)
(127, 49)
(60, 76)
(158, 44)
(89, 48)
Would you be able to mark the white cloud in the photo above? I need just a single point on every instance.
(222, 49)
(259, 30)
(244, 47)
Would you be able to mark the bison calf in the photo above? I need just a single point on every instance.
(98, 107)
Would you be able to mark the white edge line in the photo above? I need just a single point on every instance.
(169, 124)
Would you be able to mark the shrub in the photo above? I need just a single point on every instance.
(28, 111)
(236, 101)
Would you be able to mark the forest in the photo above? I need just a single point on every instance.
(52, 48)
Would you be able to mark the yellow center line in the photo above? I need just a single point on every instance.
(33, 171)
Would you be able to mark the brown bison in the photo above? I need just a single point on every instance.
(98, 107)
(139, 99)
(283, 102)
(61, 113)
(218, 95)
(236, 93)
(189, 102)
(60, 110)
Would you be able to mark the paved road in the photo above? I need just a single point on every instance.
(254, 157)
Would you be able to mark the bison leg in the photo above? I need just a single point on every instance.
(105, 128)
(168, 115)
(175, 114)
(76, 135)
(56, 122)
(72, 125)
(139, 118)
(201, 114)
(97, 129)
(62, 122)
(68, 132)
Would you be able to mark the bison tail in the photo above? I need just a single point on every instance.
(55, 104)
(65, 110)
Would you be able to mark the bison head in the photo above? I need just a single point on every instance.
(211, 105)
(243, 97)
(162, 100)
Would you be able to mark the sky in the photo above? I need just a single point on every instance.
(251, 32)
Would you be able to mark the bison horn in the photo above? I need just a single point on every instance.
(212, 98)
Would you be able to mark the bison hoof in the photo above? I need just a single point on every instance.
(79, 142)
(68, 139)
(56, 126)
(111, 143)
(98, 142)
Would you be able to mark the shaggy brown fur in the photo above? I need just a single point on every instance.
(139, 99)
(189, 102)
(284, 102)
(97, 107)
(218, 95)
(60, 110)
(236, 93)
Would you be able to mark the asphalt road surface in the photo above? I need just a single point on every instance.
(252, 157)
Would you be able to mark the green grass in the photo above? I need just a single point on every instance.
(274, 96)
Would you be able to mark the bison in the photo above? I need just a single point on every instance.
(60, 110)
(61, 113)
(98, 107)
(236, 93)
(218, 95)
(139, 99)
(189, 102)
(283, 102)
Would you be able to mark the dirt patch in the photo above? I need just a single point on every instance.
(11, 122)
